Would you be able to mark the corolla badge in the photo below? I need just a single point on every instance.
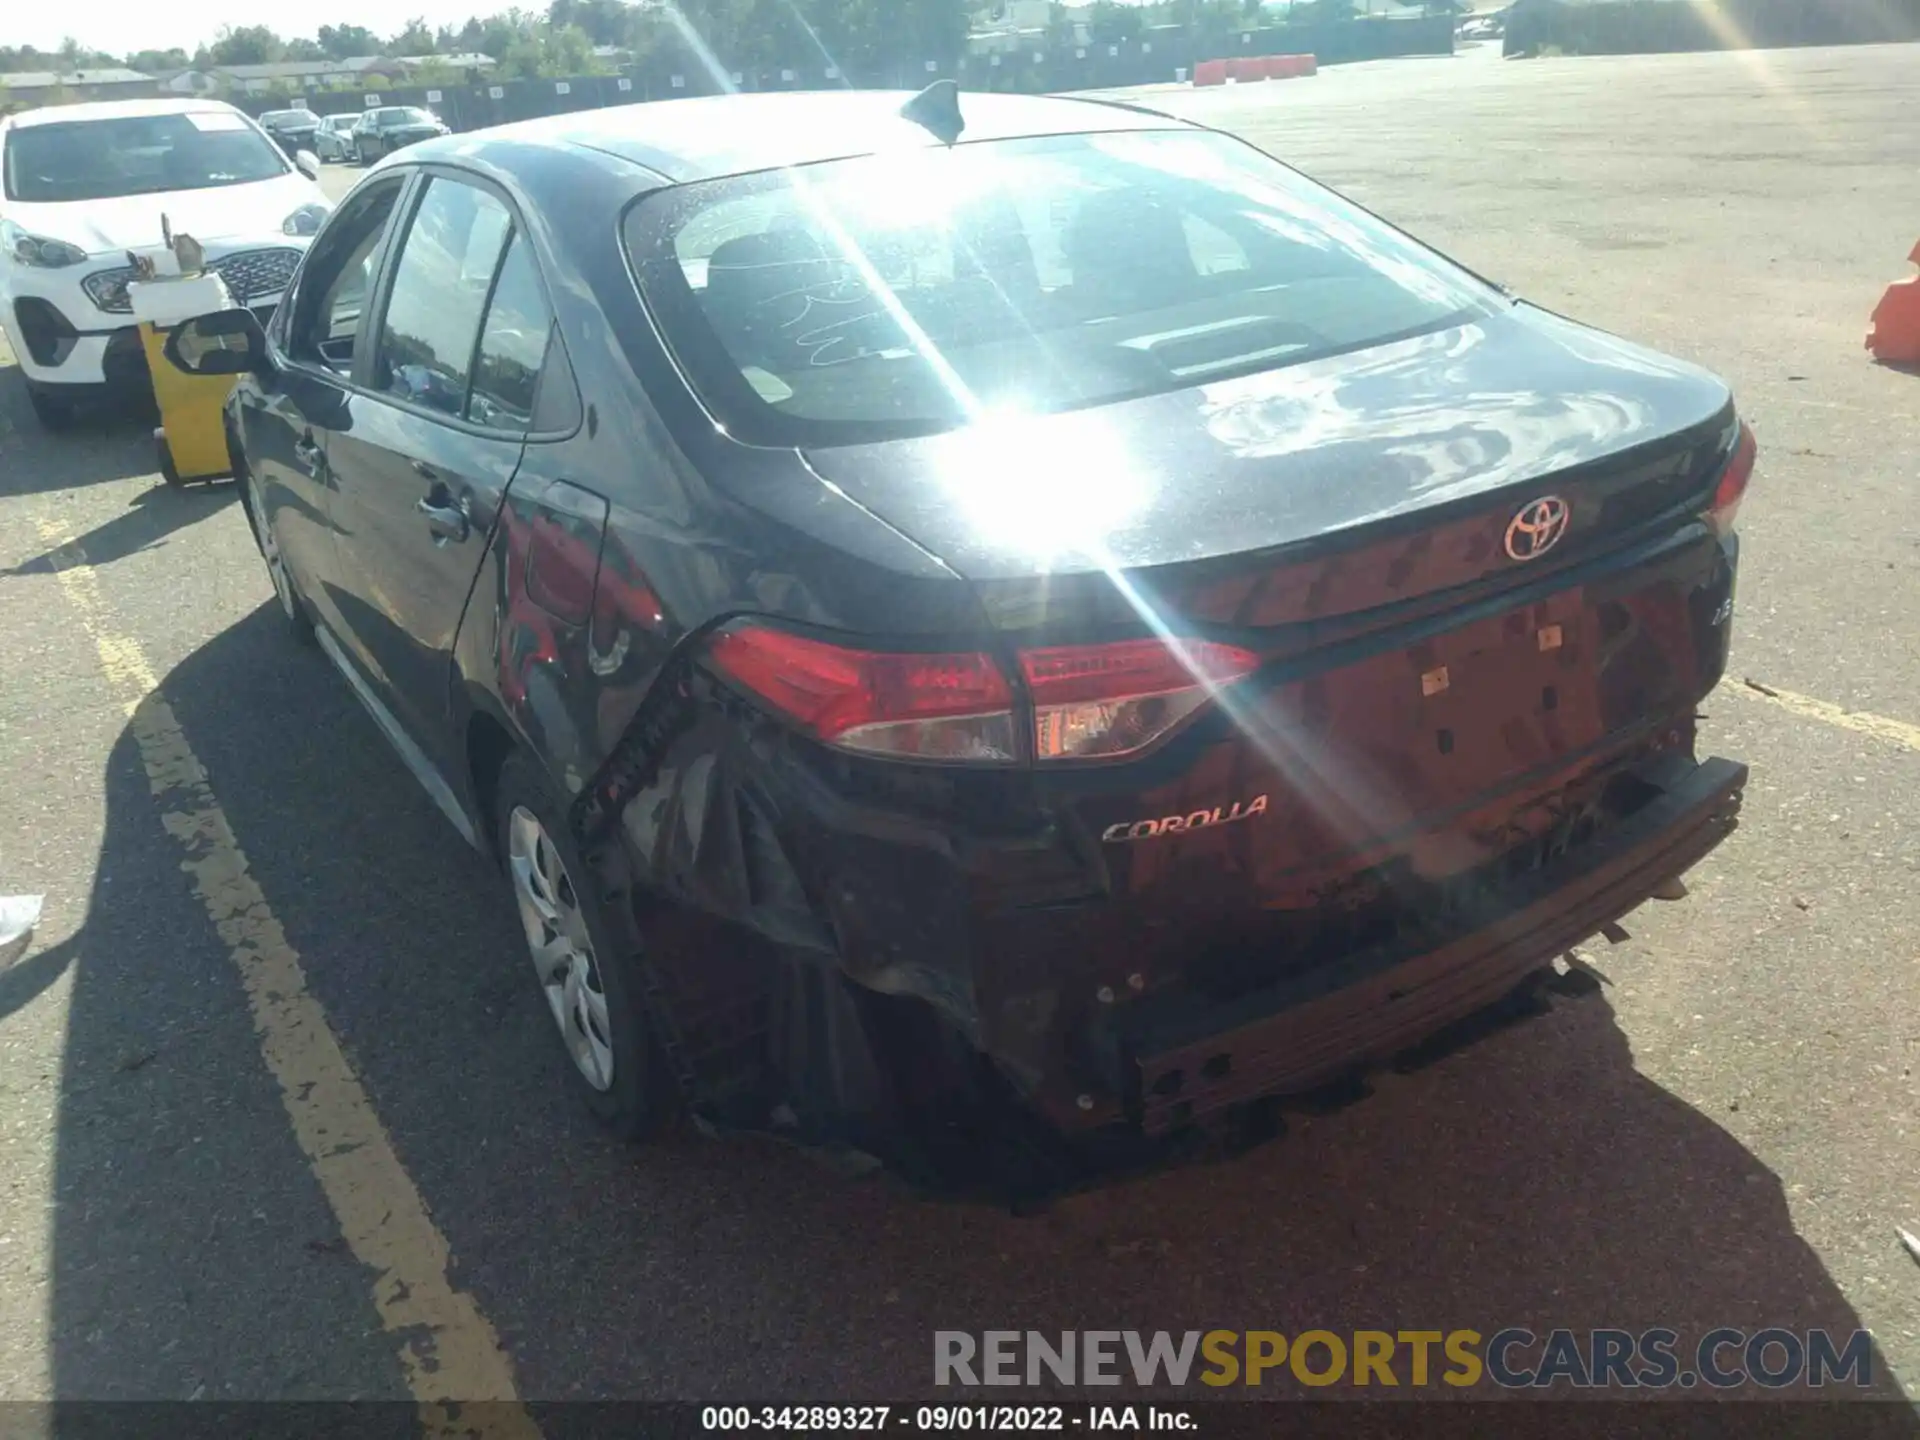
(1537, 527)
(1180, 824)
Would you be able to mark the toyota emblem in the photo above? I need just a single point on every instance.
(1537, 527)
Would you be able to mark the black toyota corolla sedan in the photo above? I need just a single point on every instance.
(1055, 634)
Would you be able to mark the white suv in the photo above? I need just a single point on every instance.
(81, 184)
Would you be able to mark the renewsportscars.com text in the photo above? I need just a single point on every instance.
(1510, 1359)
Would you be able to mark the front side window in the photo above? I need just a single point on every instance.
(906, 293)
(441, 283)
(337, 276)
(135, 155)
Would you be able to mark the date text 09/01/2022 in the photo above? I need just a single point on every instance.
(938, 1418)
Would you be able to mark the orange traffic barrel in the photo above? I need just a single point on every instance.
(1893, 332)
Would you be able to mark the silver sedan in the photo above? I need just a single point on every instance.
(334, 139)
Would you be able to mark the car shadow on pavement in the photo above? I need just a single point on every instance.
(104, 444)
(22, 982)
(150, 517)
(1536, 1179)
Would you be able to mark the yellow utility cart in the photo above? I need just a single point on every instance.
(192, 438)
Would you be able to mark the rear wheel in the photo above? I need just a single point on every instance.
(292, 608)
(585, 976)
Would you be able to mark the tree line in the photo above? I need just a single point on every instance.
(859, 37)
(560, 41)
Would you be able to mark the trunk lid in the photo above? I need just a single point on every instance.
(1309, 492)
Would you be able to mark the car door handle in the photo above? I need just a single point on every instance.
(445, 520)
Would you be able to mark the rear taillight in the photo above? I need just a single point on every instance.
(1095, 701)
(932, 707)
(1725, 504)
(1090, 702)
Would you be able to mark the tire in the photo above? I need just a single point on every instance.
(54, 412)
(292, 606)
(598, 1009)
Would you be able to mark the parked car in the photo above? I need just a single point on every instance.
(393, 127)
(292, 130)
(1057, 639)
(334, 139)
(83, 183)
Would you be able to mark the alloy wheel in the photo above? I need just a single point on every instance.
(552, 914)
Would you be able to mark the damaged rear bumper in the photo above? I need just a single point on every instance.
(1175, 1061)
(871, 982)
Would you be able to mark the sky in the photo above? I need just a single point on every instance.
(121, 27)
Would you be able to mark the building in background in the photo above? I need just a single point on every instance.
(461, 63)
(291, 77)
(26, 89)
(1005, 27)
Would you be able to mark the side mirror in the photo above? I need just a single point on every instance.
(307, 163)
(227, 342)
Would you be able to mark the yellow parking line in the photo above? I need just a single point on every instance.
(448, 1349)
(1861, 722)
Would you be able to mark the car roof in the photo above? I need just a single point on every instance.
(118, 110)
(715, 135)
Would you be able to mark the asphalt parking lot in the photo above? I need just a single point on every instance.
(1727, 1135)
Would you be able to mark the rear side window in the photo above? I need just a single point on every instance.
(909, 292)
(441, 284)
(513, 342)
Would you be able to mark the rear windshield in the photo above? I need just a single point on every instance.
(136, 155)
(907, 293)
(288, 117)
(403, 117)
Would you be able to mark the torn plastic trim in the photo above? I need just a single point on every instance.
(630, 766)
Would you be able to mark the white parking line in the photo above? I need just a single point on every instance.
(1897, 732)
(448, 1349)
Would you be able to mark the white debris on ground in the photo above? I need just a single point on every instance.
(18, 915)
(1911, 1241)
